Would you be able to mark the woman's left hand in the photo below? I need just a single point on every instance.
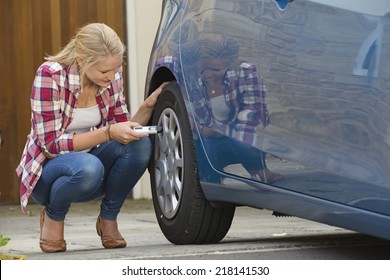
(143, 114)
(151, 101)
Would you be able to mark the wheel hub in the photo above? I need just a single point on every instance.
(169, 162)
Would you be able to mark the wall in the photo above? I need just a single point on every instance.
(142, 21)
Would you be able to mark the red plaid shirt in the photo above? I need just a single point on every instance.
(55, 91)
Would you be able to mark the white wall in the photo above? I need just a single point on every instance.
(142, 21)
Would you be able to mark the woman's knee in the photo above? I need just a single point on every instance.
(88, 178)
(140, 150)
(91, 169)
(146, 147)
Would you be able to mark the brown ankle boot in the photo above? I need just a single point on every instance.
(108, 241)
(50, 246)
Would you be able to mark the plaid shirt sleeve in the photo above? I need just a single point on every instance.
(47, 116)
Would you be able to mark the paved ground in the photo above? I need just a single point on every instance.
(80, 233)
(138, 225)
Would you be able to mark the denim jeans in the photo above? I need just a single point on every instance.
(109, 171)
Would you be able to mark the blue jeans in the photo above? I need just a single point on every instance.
(109, 171)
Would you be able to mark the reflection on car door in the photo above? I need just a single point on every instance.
(328, 99)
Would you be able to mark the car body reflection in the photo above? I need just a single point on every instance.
(325, 69)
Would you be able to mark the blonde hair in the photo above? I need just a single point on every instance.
(91, 43)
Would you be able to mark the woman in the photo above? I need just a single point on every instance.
(81, 145)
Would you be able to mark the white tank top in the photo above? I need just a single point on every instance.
(84, 119)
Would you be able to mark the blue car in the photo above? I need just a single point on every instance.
(272, 104)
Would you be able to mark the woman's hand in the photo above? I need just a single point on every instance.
(144, 112)
(123, 132)
(151, 101)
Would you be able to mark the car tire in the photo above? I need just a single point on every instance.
(183, 213)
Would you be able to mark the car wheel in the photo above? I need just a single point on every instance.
(183, 213)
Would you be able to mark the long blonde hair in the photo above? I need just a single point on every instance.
(91, 43)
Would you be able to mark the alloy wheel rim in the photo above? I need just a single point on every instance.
(169, 164)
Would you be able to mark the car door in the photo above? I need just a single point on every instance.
(229, 126)
(327, 72)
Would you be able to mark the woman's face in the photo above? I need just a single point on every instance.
(103, 72)
(211, 69)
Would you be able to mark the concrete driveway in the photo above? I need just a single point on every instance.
(252, 230)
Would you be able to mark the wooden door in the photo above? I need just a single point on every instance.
(29, 30)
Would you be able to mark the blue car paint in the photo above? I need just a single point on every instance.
(325, 65)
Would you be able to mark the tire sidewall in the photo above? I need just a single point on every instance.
(176, 226)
